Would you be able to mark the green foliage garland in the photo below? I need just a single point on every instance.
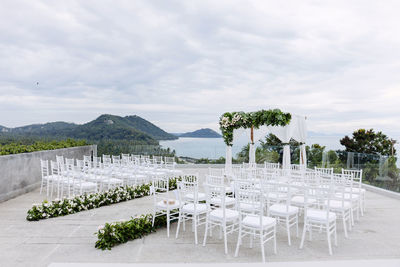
(235, 120)
(115, 233)
(76, 204)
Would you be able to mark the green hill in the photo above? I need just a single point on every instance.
(105, 127)
(47, 129)
(149, 128)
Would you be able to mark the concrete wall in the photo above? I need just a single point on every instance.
(20, 173)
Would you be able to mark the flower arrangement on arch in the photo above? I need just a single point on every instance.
(230, 121)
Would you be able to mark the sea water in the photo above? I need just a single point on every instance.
(214, 148)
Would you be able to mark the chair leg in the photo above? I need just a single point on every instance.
(303, 236)
(329, 238)
(179, 224)
(194, 217)
(225, 240)
(344, 224)
(239, 241)
(262, 247)
(288, 230)
(205, 233)
(154, 218)
(361, 206)
(335, 236)
(168, 223)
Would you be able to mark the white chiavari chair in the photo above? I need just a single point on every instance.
(164, 204)
(253, 224)
(190, 208)
(220, 216)
(322, 219)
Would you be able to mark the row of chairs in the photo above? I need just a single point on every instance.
(259, 202)
(67, 176)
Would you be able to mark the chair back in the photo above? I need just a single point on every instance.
(270, 165)
(44, 168)
(60, 160)
(249, 197)
(357, 176)
(188, 186)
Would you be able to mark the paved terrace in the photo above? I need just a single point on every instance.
(71, 239)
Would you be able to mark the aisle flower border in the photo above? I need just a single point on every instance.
(66, 206)
(112, 234)
(230, 121)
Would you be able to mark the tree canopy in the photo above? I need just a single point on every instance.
(370, 142)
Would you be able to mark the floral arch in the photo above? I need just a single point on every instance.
(257, 124)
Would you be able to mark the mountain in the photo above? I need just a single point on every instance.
(105, 127)
(149, 128)
(202, 133)
(47, 129)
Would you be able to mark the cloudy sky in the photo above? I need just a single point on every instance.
(180, 64)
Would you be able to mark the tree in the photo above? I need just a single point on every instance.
(315, 155)
(367, 141)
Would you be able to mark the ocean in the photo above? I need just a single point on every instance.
(214, 148)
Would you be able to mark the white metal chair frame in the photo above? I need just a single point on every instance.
(163, 203)
(190, 208)
(320, 219)
(226, 219)
(254, 225)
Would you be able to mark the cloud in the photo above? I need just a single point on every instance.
(181, 64)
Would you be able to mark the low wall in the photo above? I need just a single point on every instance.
(20, 173)
(381, 191)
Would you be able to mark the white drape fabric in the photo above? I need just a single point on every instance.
(252, 153)
(286, 158)
(228, 160)
(303, 155)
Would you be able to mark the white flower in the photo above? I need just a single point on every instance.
(101, 227)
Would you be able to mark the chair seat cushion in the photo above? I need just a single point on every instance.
(200, 196)
(247, 207)
(254, 221)
(355, 190)
(163, 205)
(299, 200)
(217, 201)
(228, 189)
(276, 195)
(189, 208)
(347, 196)
(282, 209)
(86, 185)
(338, 205)
(218, 215)
(50, 177)
(320, 215)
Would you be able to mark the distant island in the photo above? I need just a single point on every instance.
(202, 133)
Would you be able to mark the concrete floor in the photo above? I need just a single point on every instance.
(71, 239)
